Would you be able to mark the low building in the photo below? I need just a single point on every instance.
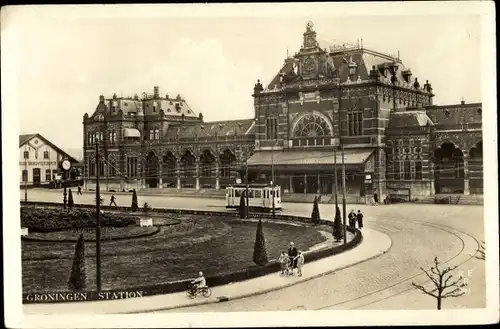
(39, 161)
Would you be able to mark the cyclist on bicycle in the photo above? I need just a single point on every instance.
(198, 283)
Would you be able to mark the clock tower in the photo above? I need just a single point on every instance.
(311, 57)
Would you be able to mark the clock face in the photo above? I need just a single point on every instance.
(309, 65)
(66, 164)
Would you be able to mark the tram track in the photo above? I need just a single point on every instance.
(406, 280)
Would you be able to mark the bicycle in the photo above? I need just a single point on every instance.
(205, 291)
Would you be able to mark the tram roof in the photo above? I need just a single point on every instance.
(252, 185)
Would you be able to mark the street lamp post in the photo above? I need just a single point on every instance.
(65, 194)
(344, 211)
(272, 180)
(98, 222)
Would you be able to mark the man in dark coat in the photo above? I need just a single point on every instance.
(352, 219)
(292, 254)
(359, 218)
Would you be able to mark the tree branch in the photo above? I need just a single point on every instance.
(421, 288)
(454, 284)
(430, 276)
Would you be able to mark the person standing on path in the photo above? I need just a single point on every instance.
(292, 254)
(79, 190)
(112, 200)
(359, 218)
(352, 219)
(300, 262)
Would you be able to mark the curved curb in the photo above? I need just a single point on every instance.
(112, 239)
(261, 292)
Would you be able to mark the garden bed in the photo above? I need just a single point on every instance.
(107, 234)
(50, 220)
(213, 245)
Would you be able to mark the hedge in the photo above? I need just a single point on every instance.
(49, 220)
(222, 279)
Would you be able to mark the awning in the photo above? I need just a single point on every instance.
(131, 132)
(311, 157)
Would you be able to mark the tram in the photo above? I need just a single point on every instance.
(260, 196)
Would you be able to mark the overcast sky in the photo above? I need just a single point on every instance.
(66, 62)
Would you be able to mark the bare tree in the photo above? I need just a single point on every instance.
(480, 252)
(444, 286)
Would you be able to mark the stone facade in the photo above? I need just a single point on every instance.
(321, 101)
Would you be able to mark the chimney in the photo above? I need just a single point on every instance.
(462, 102)
(101, 99)
(156, 92)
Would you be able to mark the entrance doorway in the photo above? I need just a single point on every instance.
(36, 176)
(152, 166)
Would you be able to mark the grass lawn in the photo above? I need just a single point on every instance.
(212, 245)
(107, 233)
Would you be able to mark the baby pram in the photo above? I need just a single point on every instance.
(286, 267)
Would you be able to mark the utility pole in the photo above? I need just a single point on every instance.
(335, 177)
(98, 221)
(344, 210)
(272, 179)
(246, 193)
(65, 194)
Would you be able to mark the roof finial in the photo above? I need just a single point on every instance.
(361, 42)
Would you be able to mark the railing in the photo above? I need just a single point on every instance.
(463, 127)
(357, 139)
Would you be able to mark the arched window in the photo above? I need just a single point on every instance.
(407, 168)
(169, 165)
(187, 162)
(227, 158)
(311, 125)
(355, 123)
(418, 168)
(207, 160)
(272, 128)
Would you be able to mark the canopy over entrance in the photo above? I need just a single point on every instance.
(315, 158)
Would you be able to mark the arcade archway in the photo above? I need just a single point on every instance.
(207, 161)
(476, 168)
(152, 170)
(448, 169)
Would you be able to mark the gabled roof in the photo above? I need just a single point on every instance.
(23, 139)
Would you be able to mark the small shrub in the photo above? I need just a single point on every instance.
(71, 203)
(259, 251)
(135, 204)
(315, 217)
(77, 279)
(338, 232)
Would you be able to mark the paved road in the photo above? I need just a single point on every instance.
(418, 232)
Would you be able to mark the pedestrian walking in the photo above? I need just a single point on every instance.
(352, 219)
(359, 218)
(300, 262)
(292, 254)
(375, 198)
(79, 192)
(112, 200)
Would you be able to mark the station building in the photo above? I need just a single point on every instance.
(321, 101)
(39, 161)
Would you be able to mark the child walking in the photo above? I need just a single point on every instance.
(300, 263)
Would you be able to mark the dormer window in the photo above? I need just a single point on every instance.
(407, 75)
(447, 113)
(479, 111)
